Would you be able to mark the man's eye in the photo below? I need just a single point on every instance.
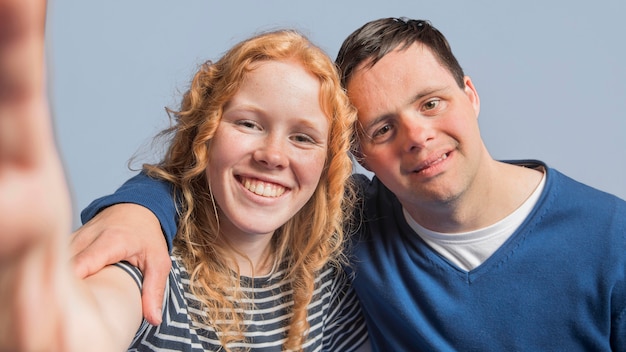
(431, 104)
(381, 131)
(381, 134)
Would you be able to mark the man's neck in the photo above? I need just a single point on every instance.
(491, 198)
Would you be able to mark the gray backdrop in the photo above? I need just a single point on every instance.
(551, 74)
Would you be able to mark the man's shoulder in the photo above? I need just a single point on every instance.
(563, 193)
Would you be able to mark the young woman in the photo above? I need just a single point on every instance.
(259, 162)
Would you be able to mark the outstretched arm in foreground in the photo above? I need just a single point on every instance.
(42, 305)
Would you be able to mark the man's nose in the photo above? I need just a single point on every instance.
(415, 132)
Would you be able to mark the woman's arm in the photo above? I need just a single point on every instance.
(125, 227)
(116, 299)
(131, 233)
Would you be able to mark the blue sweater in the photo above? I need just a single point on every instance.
(557, 284)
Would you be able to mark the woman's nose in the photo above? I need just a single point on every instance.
(272, 154)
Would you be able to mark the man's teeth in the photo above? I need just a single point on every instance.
(441, 158)
(263, 188)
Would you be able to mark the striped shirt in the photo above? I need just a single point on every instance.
(334, 315)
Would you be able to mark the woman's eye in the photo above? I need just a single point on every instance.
(247, 124)
(303, 138)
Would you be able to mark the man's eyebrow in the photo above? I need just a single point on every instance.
(426, 92)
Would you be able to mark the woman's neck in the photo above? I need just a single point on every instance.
(254, 256)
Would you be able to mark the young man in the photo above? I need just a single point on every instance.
(456, 251)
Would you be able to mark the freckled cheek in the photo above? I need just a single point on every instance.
(309, 168)
(219, 158)
(213, 173)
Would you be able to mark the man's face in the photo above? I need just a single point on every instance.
(420, 129)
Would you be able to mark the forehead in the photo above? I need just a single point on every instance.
(286, 72)
(280, 82)
(399, 66)
(282, 90)
(399, 75)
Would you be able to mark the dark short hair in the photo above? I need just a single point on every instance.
(377, 38)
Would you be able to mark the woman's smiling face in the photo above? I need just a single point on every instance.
(269, 150)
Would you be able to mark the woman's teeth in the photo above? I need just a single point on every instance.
(264, 189)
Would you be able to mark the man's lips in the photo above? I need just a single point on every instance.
(430, 163)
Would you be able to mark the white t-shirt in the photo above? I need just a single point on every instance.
(468, 250)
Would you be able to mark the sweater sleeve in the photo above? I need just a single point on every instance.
(156, 195)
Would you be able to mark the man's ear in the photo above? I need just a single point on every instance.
(472, 94)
